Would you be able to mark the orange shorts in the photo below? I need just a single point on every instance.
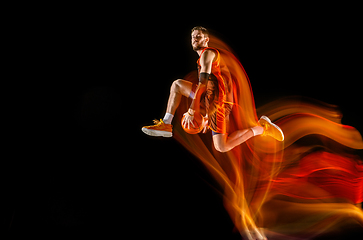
(218, 113)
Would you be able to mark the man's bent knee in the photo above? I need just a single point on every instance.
(175, 87)
(181, 86)
(219, 145)
(220, 148)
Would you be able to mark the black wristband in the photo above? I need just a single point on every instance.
(203, 77)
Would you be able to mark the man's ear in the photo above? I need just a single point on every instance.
(207, 40)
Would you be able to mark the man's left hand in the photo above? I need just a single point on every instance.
(188, 119)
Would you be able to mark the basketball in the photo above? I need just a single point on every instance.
(197, 121)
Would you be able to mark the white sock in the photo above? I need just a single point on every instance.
(168, 118)
(257, 130)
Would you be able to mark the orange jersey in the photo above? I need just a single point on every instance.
(221, 73)
(218, 100)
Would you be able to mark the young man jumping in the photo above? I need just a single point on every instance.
(214, 93)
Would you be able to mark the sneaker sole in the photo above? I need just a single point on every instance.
(156, 133)
(275, 126)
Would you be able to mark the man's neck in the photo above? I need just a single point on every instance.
(201, 50)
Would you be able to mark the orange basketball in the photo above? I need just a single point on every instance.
(197, 121)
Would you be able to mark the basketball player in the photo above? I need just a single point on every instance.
(214, 94)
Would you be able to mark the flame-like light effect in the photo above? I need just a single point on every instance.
(302, 187)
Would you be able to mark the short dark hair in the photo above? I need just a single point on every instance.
(203, 29)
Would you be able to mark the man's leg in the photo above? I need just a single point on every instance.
(163, 128)
(178, 89)
(225, 142)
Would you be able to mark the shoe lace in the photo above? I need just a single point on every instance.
(158, 122)
(266, 126)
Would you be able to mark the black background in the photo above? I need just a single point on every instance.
(98, 74)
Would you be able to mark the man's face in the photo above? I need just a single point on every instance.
(199, 41)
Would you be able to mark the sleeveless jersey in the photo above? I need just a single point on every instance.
(221, 73)
(218, 99)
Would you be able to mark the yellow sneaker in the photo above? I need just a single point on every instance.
(271, 129)
(160, 129)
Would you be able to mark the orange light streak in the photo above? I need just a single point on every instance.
(299, 190)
